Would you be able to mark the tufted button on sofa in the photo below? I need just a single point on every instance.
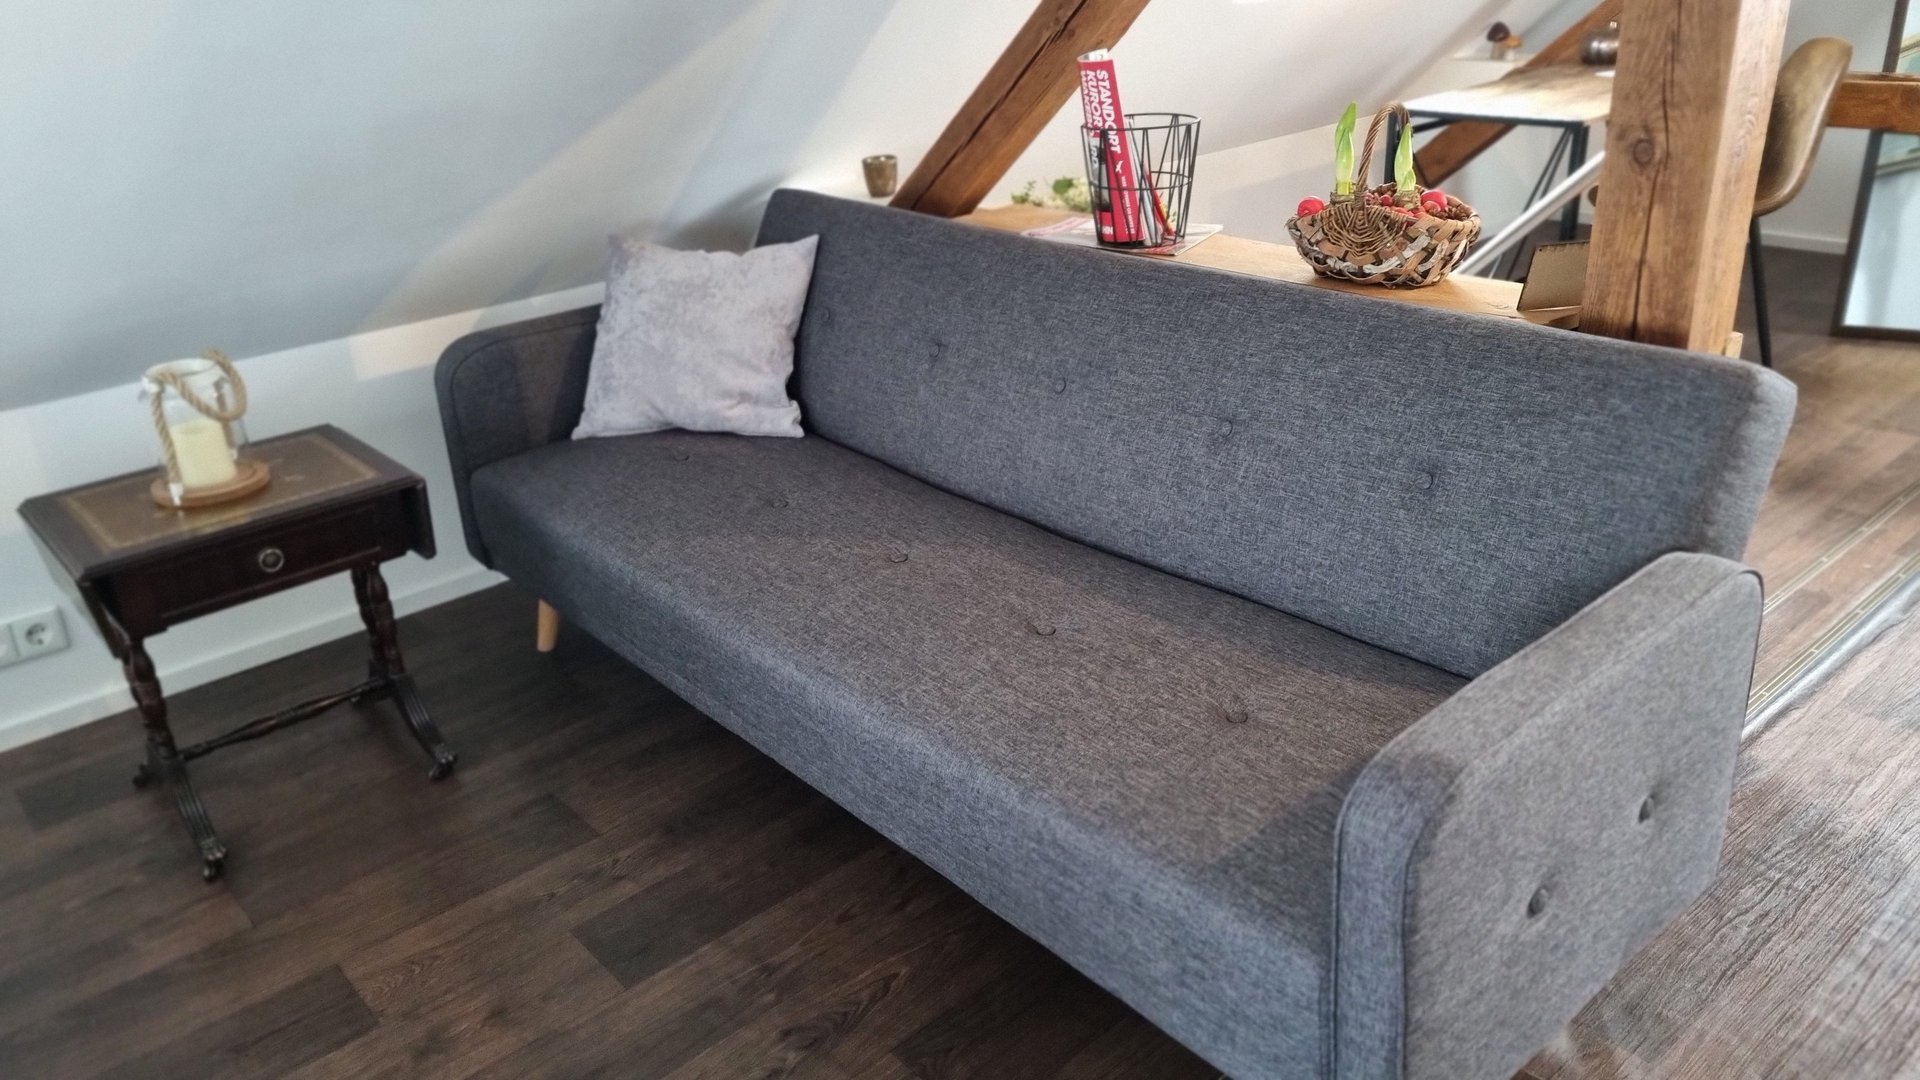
(1348, 686)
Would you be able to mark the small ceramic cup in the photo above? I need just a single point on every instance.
(883, 174)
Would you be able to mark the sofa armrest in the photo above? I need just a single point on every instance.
(1499, 860)
(509, 390)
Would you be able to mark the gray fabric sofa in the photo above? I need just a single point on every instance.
(1350, 687)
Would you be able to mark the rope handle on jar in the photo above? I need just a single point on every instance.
(225, 413)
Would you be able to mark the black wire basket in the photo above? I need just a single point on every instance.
(1141, 178)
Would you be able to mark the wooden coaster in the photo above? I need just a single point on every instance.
(249, 477)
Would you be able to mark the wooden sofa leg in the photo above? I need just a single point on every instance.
(546, 628)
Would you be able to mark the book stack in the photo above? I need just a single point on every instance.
(1139, 167)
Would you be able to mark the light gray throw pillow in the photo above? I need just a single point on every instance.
(698, 340)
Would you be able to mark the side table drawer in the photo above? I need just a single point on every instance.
(155, 597)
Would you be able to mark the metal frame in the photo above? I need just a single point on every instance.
(1763, 320)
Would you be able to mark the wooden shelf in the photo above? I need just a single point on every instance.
(1257, 258)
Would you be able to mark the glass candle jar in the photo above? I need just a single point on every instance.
(196, 406)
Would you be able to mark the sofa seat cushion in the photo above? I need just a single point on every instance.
(1141, 772)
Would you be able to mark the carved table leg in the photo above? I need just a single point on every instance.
(163, 758)
(387, 666)
(379, 672)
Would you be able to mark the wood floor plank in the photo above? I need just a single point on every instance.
(841, 1027)
(237, 971)
(1132, 1048)
(950, 981)
(269, 1038)
(881, 900)
(1805, 523)
(15, 830)
(1873, 1028)
(304, 859)
(1026, 1023)
(545, 903)
(665, 922)
(494, 997)
(63, 749)
(100, 947)
(484, 978)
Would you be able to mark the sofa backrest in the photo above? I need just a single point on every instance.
(1445, 486)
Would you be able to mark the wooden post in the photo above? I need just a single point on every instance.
(1690, 105)
(1025, 88)
(1457, 144)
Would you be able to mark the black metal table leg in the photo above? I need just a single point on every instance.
(1763, 321)
(1576, 157)
(1541, 186)
(164, 762)
(389, 669)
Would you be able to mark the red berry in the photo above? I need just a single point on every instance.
(1435, 202)
(1309, 205)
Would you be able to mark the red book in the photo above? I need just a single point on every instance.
(1119, 217)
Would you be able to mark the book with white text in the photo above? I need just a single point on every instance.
(1118, 216)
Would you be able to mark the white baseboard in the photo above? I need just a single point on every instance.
(113, 697)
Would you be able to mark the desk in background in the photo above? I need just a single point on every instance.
(1568, 97)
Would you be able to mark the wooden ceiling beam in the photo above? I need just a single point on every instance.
(1870, 99)
(1026, 87)
(1690, 105)
(1457, 144)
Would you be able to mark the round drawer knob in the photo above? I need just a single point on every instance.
(272, 560)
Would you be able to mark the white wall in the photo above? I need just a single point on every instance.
(181, 173)
(263, 175)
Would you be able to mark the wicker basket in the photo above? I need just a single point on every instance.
(1354, 239)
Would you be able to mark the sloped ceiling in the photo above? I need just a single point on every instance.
(180, 173)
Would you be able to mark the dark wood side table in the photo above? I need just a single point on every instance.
(335, 504)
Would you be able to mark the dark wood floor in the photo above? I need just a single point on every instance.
(613, 886)
(1842, 516)
(610, 885)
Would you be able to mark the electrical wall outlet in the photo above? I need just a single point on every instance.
(38, 634)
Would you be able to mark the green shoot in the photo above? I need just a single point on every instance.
(1343, 150)
(1403, 178)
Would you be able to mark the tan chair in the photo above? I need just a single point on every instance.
(1800, 102)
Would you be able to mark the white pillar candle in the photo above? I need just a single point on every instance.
(200, 446)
